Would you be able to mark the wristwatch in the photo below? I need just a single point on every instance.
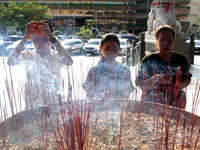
(53, 39)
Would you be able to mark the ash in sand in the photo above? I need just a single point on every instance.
(102, 125)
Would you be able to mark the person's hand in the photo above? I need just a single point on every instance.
(30, 28)
(38, 28)
(28, 55)
(44, 28)
(162, 79)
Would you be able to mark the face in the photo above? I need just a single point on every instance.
(41, 43)
(165, 42)
(110, 50)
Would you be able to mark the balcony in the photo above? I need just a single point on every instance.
(141, 15)
(183, 1)
(140, 26)
(185, 25)
(182, 10)
(119, 27)
(121, 16)
(111, 7)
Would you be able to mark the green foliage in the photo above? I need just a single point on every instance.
(5, 17)
(198, 20)
(123, 32)
(14, 32)
(84, 32)
(183, 34)
(18, 14)
(57, 32)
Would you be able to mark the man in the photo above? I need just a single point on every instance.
(43, 65)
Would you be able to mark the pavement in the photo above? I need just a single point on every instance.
(194, 87)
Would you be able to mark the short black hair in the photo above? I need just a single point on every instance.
(110, 37)
(164, 28)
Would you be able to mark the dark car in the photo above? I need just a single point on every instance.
(3, 47)
(99, 37)
(197, 46)
(130, 38)
(14, 38)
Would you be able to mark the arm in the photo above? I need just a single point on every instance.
(66, 57)
(13, 58)
(184, 74)
(181, 85)
(153, 81)
(88, 85)
(128, 85)
(148, 83)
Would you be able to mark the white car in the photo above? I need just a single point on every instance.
(1, 39)
(12, 46)
(124, 44)
(31, 47)
(73, 45)
(62, 37)
(92, 47)
(197, 46)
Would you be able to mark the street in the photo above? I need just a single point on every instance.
(14, 99)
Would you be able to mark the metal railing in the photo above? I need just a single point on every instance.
(135, 54)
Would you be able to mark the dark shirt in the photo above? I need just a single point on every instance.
(153, 63)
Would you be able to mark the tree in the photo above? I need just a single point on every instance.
(198, 20)
(84, 32)
(123, 32)
(14, 32)
(6, 20)
(17, 15)
(57, 32)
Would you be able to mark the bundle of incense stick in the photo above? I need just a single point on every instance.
(76, 124)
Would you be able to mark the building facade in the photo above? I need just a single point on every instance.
(194, 6)
(112, 15)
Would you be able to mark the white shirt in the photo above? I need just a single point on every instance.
(43, 77)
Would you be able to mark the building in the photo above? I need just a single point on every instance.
(112, 15)
(194, 6)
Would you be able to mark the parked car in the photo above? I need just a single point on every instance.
(31, 47)
(73, 45)
(14, 38)
(130, 38)
(12, 46)
(62, 37)
(99, 36)
(1, 39)
(92, 47)
(80, 38)
(3, 46)
(188, 37)
(196, 46)
(77, 37)
(124, 44)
